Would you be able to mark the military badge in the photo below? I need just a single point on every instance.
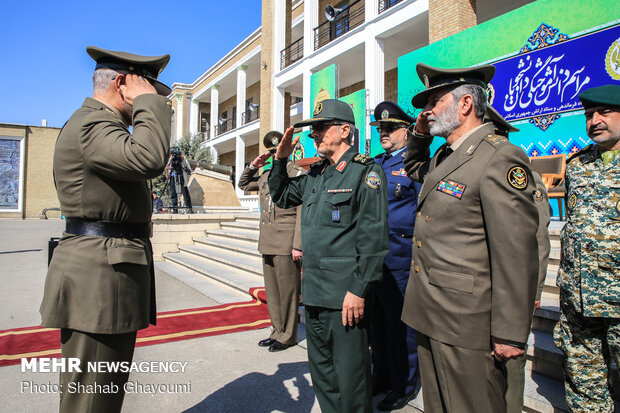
(318, 108)
(517, 178)
(385, 114)
(275, 141)
(451, 188)
(341, 166)
(618, 206)
(538, 195)
(373, 180)
(572, 201)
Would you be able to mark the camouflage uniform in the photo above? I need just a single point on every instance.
(589, 279)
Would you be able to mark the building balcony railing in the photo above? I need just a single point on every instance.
(292, 53)
(349, 18)
(250, 115)
(386, 4)
(225, 126)
(204, 134)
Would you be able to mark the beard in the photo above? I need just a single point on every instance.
(446, 122)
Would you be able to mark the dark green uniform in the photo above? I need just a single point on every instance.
(344, 233)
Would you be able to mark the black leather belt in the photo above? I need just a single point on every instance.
(108, 229)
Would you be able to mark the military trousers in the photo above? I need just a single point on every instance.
(282, 286)
(589, 345)
(339, 361)
(394, 345)
(458, 379)
(107, 390)
(514, 369)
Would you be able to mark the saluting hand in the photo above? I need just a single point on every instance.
(287, 144)
(421, 124)
(352, 309)
(134, 86)
(260, 160)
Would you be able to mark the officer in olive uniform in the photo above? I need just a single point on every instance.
(280, 243)
(475, 256)
(515, 367)
(344, 231)
(100, 286)
(589, 329)
(394, 346)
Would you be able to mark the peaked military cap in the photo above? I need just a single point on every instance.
(329, 109)
(606, 95)
(435, 78)
(148, 67)
(388, 111)
(272, 139)
(491, 115)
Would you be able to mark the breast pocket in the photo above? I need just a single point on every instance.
(308, 210)
(338, 208)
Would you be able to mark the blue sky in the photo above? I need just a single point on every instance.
(45, 72)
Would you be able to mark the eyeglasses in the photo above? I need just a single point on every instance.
(389, 128)
(322, 127)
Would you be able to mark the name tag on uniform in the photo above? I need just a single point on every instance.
(451, 188)
(335, 215)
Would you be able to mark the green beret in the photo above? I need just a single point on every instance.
(607, 95)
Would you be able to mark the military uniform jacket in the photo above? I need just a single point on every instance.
(280, 229)
(541, 199)
(589, 274)
(402, 195)
(343, 225)
(98, 284)
(475, 255)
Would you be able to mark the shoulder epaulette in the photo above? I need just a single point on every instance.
(495, 140)
(363, 159)
(580, 152)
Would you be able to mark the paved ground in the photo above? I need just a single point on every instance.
(226, 373)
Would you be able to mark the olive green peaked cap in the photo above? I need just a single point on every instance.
(148, 67)
(327, 110)
(435, 78)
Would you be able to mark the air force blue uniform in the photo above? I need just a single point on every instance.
(394, 343)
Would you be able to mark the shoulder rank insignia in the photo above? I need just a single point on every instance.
(373, 180)
(517, 178)
(572, 201)
(341, 166)
(361, 158)
(538, 195)
(582, 152)
(496, 139)
(451, 188)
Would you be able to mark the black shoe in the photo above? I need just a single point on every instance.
(277, 346)
(394, 401)
(266, 342)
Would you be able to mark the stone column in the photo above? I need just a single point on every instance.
(215, 118)
(179, 116)
(311, 20)
(194, 118)
(241, 91)
(308, 106)
(371, 9)
(374, 70)
(277, 113)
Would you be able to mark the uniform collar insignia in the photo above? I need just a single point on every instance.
(341, 166)
(470, 150)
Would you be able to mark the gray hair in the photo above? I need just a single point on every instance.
(102, 78)
(352, 131)
(477, 92)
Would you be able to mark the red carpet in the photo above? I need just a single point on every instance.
(171, 326)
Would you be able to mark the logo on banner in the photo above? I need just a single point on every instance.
(612, 60)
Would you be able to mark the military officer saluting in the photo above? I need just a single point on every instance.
(279, 242)
(475, 258)
(344, 233)
(589, 329)
(394, 346)
(100, 286)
